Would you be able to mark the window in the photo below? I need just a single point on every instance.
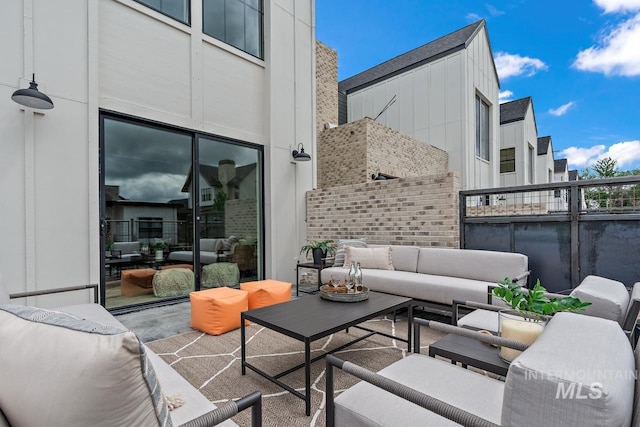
(507, 160)
(482, 129)
(531, 165)
(149, 228)
(177, 9)
(206, 194)
(236, 22)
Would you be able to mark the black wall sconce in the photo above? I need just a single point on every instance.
(32, 97)
(381, 177)
(300, 156)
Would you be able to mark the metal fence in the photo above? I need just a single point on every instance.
(568, 230)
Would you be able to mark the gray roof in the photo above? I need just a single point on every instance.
(514, 111)
(439, 48)
(559, 165)
(543, 145)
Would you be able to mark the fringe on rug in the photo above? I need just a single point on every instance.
(174, 402)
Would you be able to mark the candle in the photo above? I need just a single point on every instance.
(518, 330)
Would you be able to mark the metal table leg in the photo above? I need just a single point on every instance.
(307, 376)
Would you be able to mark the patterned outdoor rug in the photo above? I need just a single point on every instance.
(212, 364)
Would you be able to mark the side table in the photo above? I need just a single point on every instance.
(313, 266)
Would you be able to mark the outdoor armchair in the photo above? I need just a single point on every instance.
(122, 346)
(579, 372)
(609, 299)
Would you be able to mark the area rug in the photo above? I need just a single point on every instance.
(212, 364)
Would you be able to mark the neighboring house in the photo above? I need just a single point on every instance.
(561, 174)
(545, 162)
(518, 143)
(444, 93)
(146, 91)
(235, 182)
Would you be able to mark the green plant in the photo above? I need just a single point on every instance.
(535, 300)
(158, 246)
(325, 245)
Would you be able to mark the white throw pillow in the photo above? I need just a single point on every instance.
(376, 258)
(58, 369)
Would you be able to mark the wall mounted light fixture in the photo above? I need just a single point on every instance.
(300, 156)
(32, 97)
(381, 176)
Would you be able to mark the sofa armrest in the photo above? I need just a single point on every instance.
(230, 409)
(522, 279)
(423, 400)
(57, 291)
(471, 304)
(448, 329)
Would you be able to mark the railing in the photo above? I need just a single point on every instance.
(568, 230)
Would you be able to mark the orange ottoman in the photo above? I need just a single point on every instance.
(216, 311)
(266, 292)
(136, 282)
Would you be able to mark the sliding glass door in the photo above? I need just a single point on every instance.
(153, 205)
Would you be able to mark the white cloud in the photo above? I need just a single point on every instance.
(493, 10)
(624, 153)
(473, 17)
(617, 53)
(561, 110)
(505, 95)
(514, 65)
(612, 6)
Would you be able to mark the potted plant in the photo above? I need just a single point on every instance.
(159, 248)
(530, 310)
(319, 249)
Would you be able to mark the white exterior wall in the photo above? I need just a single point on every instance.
(544, 166)
(436, 105)
(122, 56)
(521, 135)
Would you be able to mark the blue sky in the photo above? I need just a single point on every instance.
(578, 60)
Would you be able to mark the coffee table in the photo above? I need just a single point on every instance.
(311, 318)
(471, 352)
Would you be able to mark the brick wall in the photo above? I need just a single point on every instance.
(326, 86)
(420, 211)
(240, 218)
(351, 153)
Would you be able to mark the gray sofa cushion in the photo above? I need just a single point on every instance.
(173, 384)
(440, 289)
(76, 364)
(367, 405)
(487, 266)
(187, 256)
(609, 298)
(405, 258)
(481, 319)
(575, 354)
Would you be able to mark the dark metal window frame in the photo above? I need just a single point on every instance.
(188, 2)
(505, 162)
(261, 29)
(195, 139)
(483, 150)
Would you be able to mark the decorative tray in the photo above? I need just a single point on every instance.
(344, 297)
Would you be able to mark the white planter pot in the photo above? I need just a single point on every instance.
(159, 254)
(521, 327)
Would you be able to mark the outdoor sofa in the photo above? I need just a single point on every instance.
(432, 275)
(580, 372)
(78, 365)
(209, 251)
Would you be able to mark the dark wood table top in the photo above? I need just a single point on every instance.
(313, 317)
(469, 352)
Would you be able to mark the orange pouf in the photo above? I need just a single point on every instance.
(136, 282)
(266, 292)
(216, 311)
(167, 267)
